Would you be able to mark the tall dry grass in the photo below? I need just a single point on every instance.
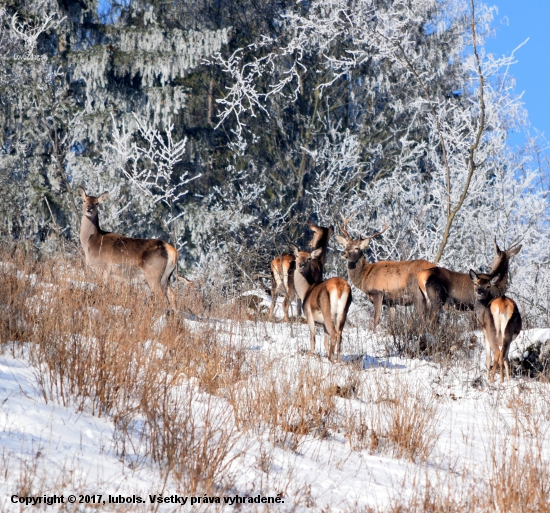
(110, 349)
(186, 393)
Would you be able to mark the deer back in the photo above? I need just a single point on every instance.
(397, 280)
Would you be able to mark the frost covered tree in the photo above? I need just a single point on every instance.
(391, 111)
(25, 77)
(405, 119)
(106, 62)
(93, 63)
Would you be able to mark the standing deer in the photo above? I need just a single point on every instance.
(105, 251)
(384, 282)
(324, 302)
(283, 269)
(500, 321)
(440, 285)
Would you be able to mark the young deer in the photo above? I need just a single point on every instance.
(283, 269)
(324, 302)
(500, 321)
(440, 285)
(385, 282)
(106, 251)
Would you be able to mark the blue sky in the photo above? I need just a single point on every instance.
(516, 21)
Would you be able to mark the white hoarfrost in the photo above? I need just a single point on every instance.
(447, 193)
(160, 55)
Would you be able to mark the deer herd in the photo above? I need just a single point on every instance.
(298, 275)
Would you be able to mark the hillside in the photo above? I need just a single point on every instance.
(104, 394)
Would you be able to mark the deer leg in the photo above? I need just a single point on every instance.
(171, 297)
(274, 290)
(338, 345)
(488, 357)
(507, 365)
(509, 336)
(156, 287)
(328, 345)
(505, 349)
(311, 324)
(329, 328)
(495, 363)
(377, 302)
(421, 307)
(298, 307)
(285, 307)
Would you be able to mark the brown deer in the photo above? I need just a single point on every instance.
(111, 252)
(324, 302)
(385, 282)
(283, 268)
(440, 286)
(500, 321)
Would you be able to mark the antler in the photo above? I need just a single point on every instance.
(379, 233)
(513, 245)
(344, 229)
(497, 249)
(515, 242)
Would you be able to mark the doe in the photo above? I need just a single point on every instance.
(325, 302)
(500, 321)
(106, 251)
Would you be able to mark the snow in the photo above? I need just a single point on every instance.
(48, 448)
(60, 450)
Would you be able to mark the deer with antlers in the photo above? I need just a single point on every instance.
(323, 302)
(111, 252)
(441, 286)
(499, 318)
(283, 269)
(385, 282)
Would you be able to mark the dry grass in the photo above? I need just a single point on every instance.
(398, 419)
(190, 396)
(111, 350)
(413, 337)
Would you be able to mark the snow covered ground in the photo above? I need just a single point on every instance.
(49, 449)
(399, 426)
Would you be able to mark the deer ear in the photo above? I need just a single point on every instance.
(103, 198)
(473, 275)
(317, 253)
(495, 279)
(330, 231)
(364, 244)
(294, 249)
(81, 192)
(341, 240)
(514, 251)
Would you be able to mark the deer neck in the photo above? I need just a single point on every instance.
(88, 227)
(501, 268)
(302, 283)
(358, 270)
(323, 258)
(481, 305)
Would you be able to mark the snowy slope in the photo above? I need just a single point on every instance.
(461, 427)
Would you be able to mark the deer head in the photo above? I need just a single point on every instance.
(353, 248)
(484, 285)
(321, 235)
(502, 257)
(90, 203)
